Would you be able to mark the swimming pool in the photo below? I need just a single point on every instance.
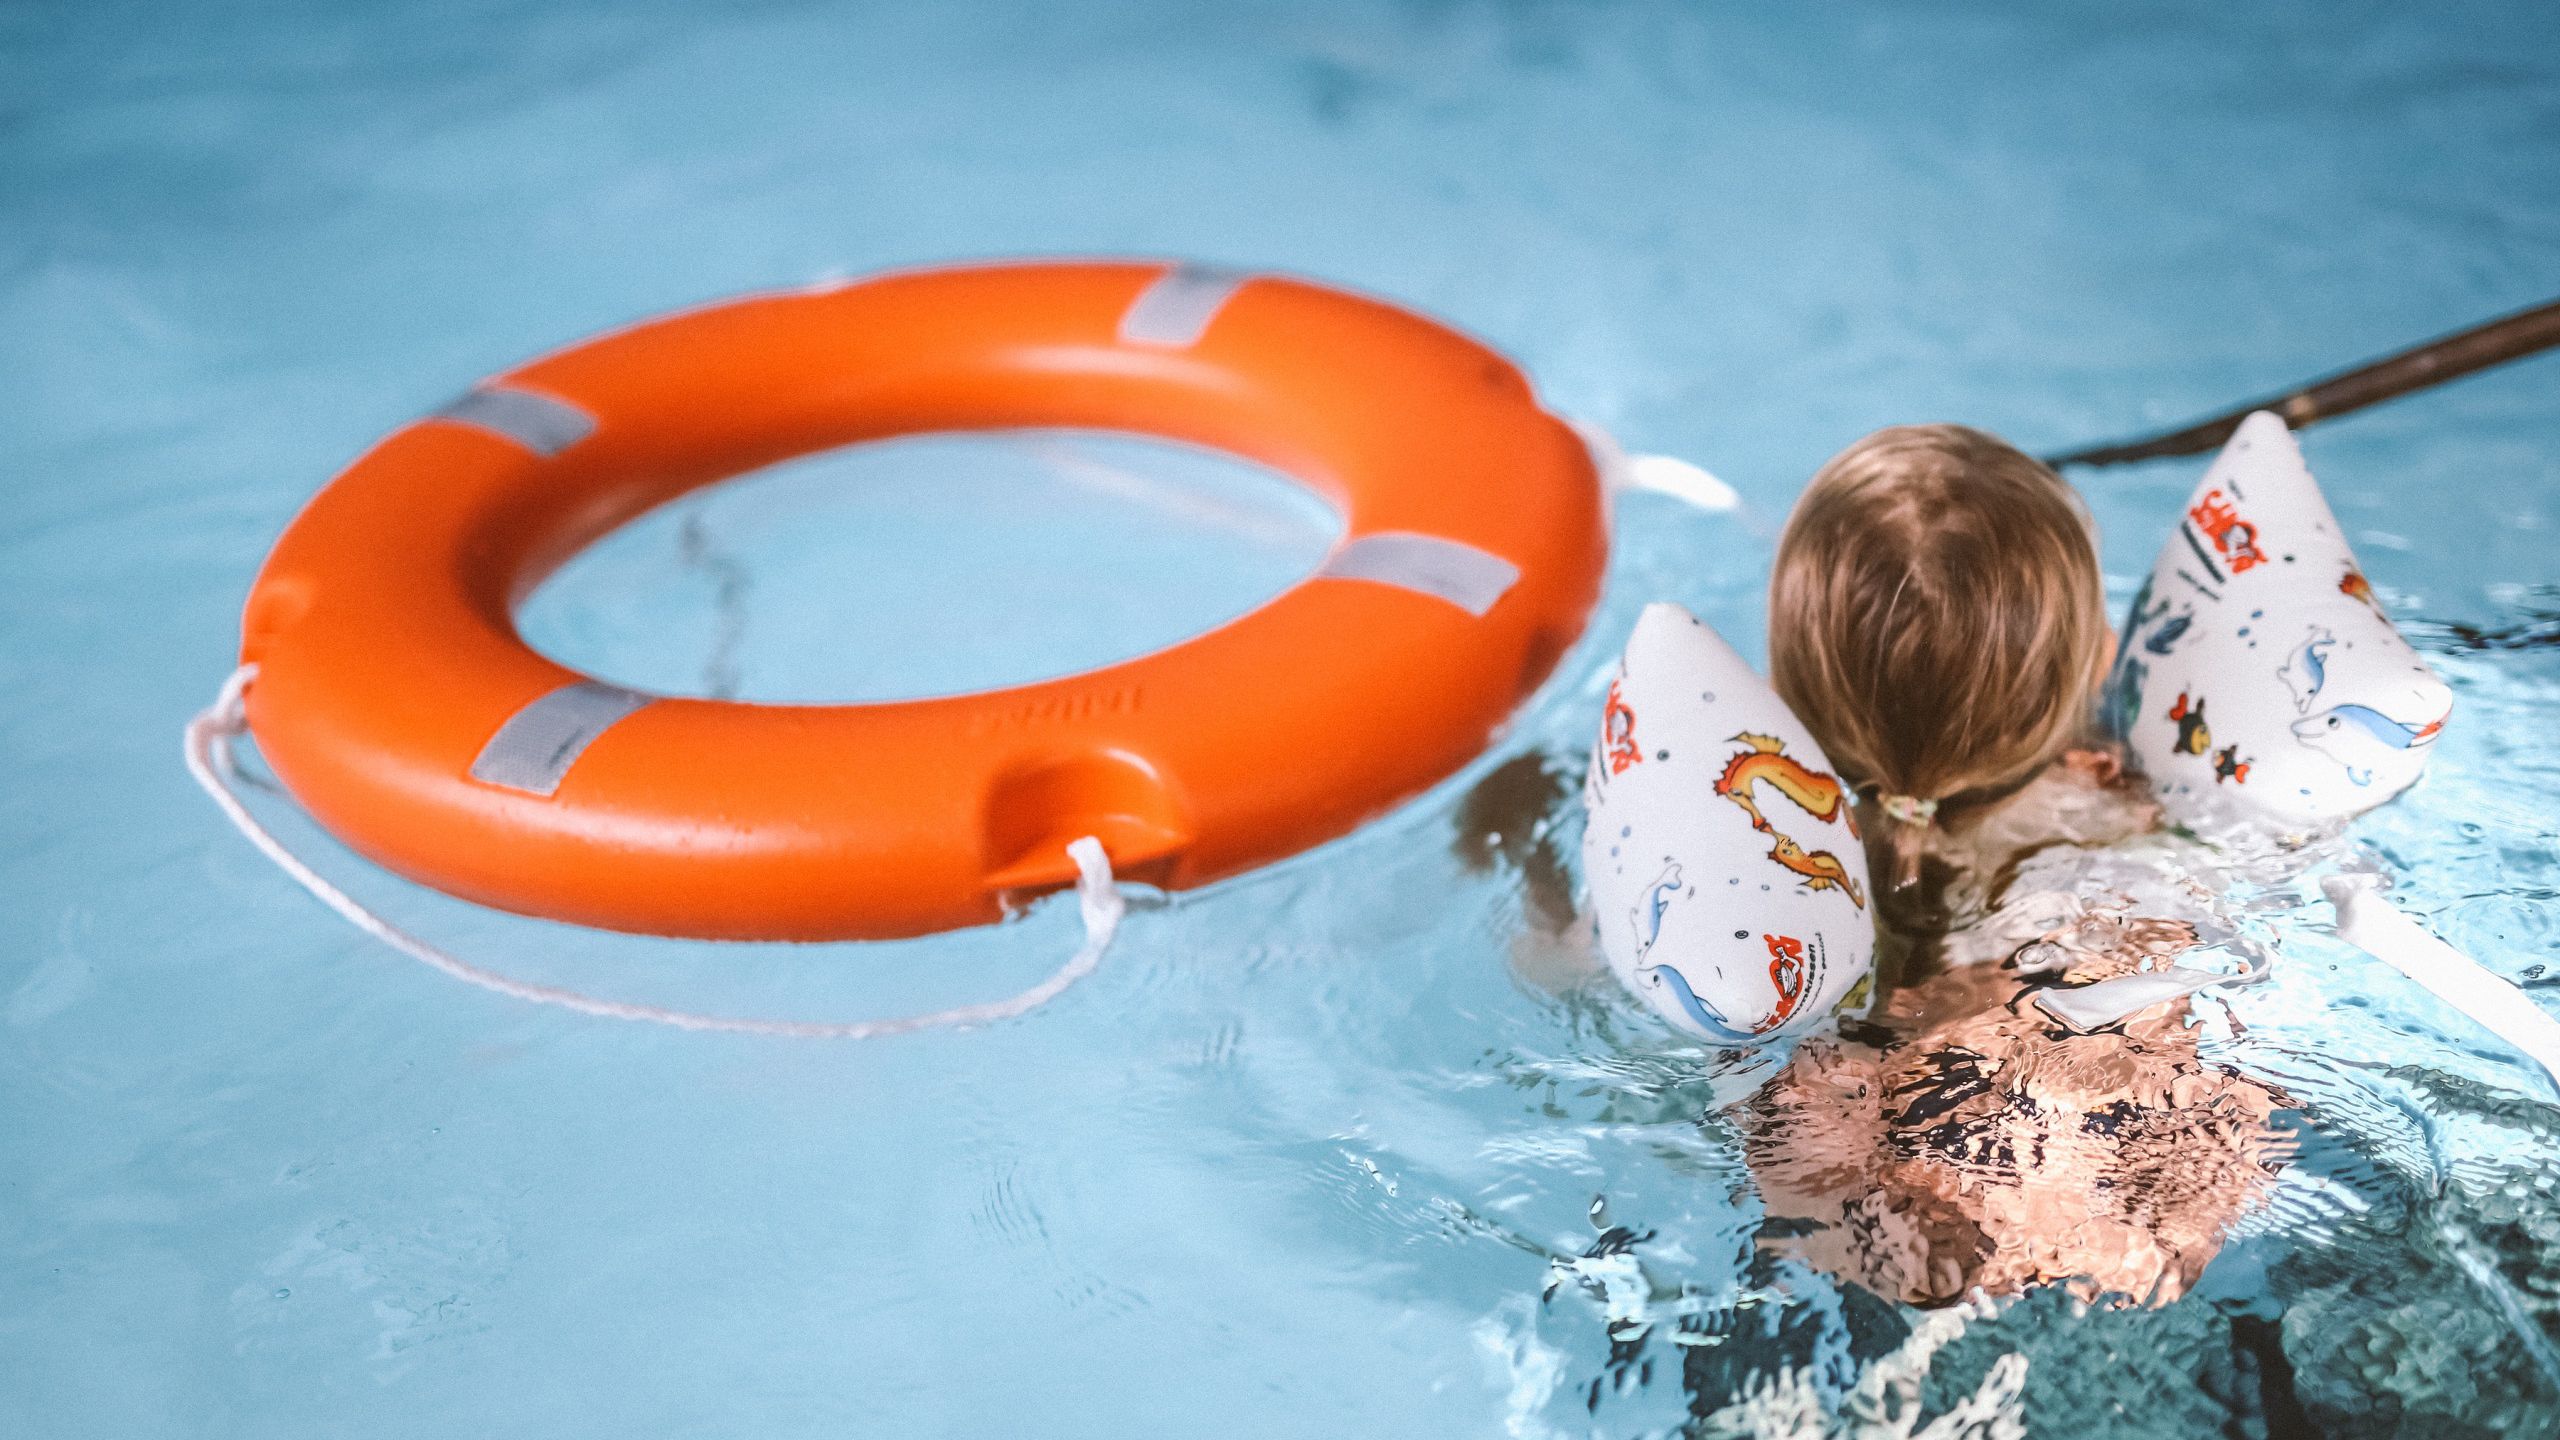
(1304, 1155)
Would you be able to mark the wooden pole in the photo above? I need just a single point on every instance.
(2509, 338)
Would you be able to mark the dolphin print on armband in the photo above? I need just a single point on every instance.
(1647, 916)
(1699, 1012)
(2360, 737)
(2307, 669)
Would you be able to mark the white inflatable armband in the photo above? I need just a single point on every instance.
(2257, 676)
(1722, 855)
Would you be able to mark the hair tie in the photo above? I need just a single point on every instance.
(1908, 809)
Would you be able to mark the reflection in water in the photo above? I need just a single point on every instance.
(730, 582)
(2390, 1263)
(1982, 1145)
(1510, 818)
(1962, 1140)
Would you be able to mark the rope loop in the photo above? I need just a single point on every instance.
(211, 739)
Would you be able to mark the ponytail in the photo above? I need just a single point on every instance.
(1907, 820)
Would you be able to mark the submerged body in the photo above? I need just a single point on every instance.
(1969, 1142)
(1957, 1138)
(1961, 1139)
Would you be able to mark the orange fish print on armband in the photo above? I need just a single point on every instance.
(1817, 794)
(1618, 732)
(2354, 586)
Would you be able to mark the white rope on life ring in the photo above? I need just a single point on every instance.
(1622, 471)
(210, 738)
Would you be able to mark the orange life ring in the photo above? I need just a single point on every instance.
(395, 700)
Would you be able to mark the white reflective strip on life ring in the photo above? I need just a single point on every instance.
(539, 423)
(1175, 311)
(1433, 565)
(533, 751)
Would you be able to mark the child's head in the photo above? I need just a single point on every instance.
(1936, 618)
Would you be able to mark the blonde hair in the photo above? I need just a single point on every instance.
(1936, 617)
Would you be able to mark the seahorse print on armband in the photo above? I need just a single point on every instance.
(1764, 759)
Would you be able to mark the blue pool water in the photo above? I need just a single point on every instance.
(1306, 1156)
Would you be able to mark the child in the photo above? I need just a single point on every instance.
(1936, 620)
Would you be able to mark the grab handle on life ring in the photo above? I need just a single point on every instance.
(1033, 815)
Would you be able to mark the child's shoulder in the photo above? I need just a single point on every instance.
(2086, 796)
